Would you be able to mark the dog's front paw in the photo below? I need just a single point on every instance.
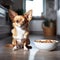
(14, 48)
(25, 48)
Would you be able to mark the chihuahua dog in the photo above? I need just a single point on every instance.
(20, 31)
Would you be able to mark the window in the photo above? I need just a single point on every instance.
(36, 6)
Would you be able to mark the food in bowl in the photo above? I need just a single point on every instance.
(46, 44)
(45, 41)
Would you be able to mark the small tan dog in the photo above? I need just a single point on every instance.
(20, 31)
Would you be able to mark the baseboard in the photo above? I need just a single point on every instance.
(36, 32)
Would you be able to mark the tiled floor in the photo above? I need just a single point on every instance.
(33, 54)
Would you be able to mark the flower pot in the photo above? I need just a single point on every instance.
(48, 31)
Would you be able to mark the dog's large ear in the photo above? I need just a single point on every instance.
(12, 14)
(28, 15)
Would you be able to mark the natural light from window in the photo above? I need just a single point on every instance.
(36, 6)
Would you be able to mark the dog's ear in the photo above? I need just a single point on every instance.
(28, 15)
(12, 14)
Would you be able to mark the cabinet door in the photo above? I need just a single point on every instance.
(36, 25)
(58, 22)
(58, 4)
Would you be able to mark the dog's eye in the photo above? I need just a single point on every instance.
(17, 21)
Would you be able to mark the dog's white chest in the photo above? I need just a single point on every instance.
(20, 32)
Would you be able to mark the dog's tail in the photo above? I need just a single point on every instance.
(9, 45)
(12, 44)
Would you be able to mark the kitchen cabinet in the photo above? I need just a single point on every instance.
(35, 26)
(4, 27)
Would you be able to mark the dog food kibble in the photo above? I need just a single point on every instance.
(44, 41)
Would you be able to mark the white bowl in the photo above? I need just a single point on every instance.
(40, 44)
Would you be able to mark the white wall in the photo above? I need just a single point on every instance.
(34, 5)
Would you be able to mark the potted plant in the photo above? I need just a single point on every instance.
(20, 11)
(49, 27)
